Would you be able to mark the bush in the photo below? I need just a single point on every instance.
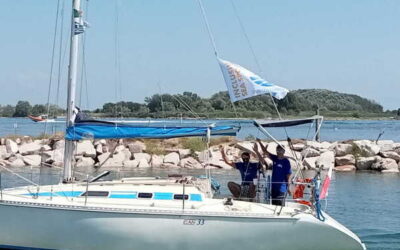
(194, 144)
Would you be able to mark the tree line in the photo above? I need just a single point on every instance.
(188, 104)
(24, 108)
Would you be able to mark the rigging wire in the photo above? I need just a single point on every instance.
(51, 66)
(59, 57)
(257, 62)
(84, 80)
(212, 40)
(117, 64)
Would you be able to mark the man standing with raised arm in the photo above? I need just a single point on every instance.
(281, 172)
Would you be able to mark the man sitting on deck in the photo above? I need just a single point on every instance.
(248, 172)
(281, 172)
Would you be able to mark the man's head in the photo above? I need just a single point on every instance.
(245, 156)
(280, 151)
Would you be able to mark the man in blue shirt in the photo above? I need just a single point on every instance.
(281, 172)
(248, 172)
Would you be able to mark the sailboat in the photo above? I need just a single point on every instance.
(178, 212)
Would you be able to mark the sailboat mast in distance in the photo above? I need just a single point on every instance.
(77, 27)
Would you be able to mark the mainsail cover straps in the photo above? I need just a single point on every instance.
(111, 130)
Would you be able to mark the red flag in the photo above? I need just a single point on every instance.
(325, 185)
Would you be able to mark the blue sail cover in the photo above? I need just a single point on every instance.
(111, 130)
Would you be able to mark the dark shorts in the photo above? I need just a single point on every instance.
(243, 191)
(278, 197)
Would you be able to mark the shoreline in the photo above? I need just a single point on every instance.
(191, 153)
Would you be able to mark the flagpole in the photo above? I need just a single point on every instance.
(212, 40)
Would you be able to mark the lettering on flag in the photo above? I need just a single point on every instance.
(242, 83)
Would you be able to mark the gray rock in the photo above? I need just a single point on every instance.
(325, 160)
(18, 141)
(390, 171)
(54, 156)
(365, 163)
(99, 149)
(101, 158)
(137, 147)
(316, 145)
(143, 163)
(169, 165)
(30, 148)
(390, 154)
(3, 141)
(45, 148)
(119, 148)
(121, 156)
(345, 160)
(310, 152)
(342, 149)
(385, 164)
(172, 158)
(86, 148)
(139, 156)
(157, 161)
(3, 151)
(309, 163)
(11, 146)
(32, 160)
(184, 152)
(85, 162)
(4, 163)
(59, 144)
(190, 162)
(385, 145)
(131, 164)
(299, 146)
(295, 165)
(106, 161)
(367, 148)
(345, 168)
(18, 162)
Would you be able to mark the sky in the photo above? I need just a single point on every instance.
(350, 46)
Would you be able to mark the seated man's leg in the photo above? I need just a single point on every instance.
(234, 188)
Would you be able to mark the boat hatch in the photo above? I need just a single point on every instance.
(145, 195)
(180, 197)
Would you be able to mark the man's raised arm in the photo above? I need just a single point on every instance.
(230, 163)
(263, 148)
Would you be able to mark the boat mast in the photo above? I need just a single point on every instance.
(77, 28)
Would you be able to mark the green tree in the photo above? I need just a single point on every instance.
(7, 111)
(22, 109)
(38, 109)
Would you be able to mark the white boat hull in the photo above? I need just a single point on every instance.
(27, 225)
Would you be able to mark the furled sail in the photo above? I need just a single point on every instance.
(111, 130)
(242, 83)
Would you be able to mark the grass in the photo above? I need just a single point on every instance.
(194, 144)
(154, 146)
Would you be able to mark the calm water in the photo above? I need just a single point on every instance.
(367, 203)
(331, 130)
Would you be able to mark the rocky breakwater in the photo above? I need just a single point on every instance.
(383, 156)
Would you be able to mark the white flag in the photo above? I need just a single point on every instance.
(242, 83)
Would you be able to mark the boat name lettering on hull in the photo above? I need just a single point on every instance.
(193, 222)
